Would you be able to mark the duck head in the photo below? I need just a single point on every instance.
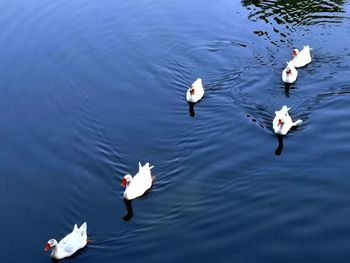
(126, 180)
(50, 244)
(280, 122)
(282, 115)
(192, 91)
(295, 52)
(290, 67)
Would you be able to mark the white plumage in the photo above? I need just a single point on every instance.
(70, 244)
(303, 57)
(195, 92)
(289, 74)
(136, 186)
(282, 122)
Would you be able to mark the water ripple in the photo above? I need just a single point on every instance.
(296, 12)
(286, 17)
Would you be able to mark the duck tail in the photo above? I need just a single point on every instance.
(83, 227)
(298, 122)
(148, 167)
(285, 108)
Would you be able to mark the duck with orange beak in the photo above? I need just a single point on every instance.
(70, 244)
(136, 186)
(282, 122)
(301, 58)
(289, 74)
(195, 92)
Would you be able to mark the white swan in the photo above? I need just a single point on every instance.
(282, 122)
(195, 92)
(301, 58)
(289, 74)
(70, 244)
(136, 186)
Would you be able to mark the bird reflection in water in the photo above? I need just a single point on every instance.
(191, 109)
(286, 89)
(128, 206)
(280, 141)
(280, 144)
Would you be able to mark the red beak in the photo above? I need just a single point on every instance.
(289, 71)
(192, 91)
(279, 122)
(47, 247)
(294, 53)
(123, 182)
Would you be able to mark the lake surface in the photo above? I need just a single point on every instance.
(91, 88)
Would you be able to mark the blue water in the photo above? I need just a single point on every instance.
(90, 88)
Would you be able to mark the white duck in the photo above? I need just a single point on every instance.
(301, 58)
(139, 184)
(289, 74)
(195, 92)
(282, 122)
(69, 244)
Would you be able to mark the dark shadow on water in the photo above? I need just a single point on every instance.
(128, 204)
(191, 109)
(129, 210)
(294, 128)
(305, 12)
(279, 148)
(285, 16)
(286, 89)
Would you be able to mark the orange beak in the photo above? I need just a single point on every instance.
(47, 247)
(123, 182)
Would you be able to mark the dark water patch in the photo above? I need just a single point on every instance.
(296, 12)
(285, 18)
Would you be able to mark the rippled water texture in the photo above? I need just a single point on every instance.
(90, 88)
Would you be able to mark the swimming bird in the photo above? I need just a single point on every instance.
(289, 74)
(136, 186)
(282, 122)
(195, 92)
(70, 244)
(302, 58)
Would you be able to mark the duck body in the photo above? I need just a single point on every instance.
(195, 92)
(136, 186)
(282, 122)
(289, 74)
(70, 244)
(303, 57)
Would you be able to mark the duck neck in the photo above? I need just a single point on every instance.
(54, 251)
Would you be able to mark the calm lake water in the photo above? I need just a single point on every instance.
(90, 88)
